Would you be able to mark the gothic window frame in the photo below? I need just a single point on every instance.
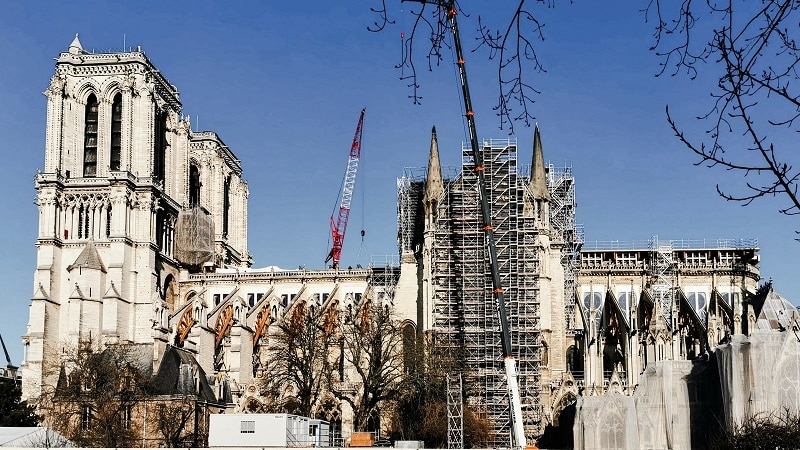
(115, 141)
(160, 144)
(91, 135)
(194, 185)
(226, 206)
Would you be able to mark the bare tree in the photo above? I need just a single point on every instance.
(299, 368)
(421, 408)
(510, 44)
(752, 52)
(174, 419)
(372, 358)
(97, 392)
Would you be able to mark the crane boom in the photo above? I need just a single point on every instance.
(339, 224)
(518, 432)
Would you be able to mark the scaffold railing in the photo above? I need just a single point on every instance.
(677, 244)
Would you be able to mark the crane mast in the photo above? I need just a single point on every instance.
(517, 428)
(339, 224)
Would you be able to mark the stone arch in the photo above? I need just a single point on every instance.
(110, 88)
(559, 432)
(190, 296)
(565, 399)
(82, 91)
(575, 363)
(195, 183)
(408, 331)
(330, 409)
(170, 296)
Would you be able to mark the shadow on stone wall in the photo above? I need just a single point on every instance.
(560, 436)
(706, 413)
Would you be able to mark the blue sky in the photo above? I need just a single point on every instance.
(282, 83)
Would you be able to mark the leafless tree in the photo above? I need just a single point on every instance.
(299, 368)
(372, 358)
(750, 49)
(421, 408)
(509, 43)
(174, 420)
(96, 394)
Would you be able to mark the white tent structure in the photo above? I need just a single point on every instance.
(37, 437)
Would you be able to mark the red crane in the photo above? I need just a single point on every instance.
(339, 225)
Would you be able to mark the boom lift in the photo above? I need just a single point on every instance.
(339, 225)
(517, 429)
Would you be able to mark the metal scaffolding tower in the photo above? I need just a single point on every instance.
(463, 312)
(662, 269)
(455, 411)
(561, 185)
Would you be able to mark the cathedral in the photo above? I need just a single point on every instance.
(142, 240)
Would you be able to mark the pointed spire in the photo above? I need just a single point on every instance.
(75, 47)
(538, 186)
(434, 186)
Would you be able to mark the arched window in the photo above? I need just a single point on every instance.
(90, 138)
(409, 347)
(108, 221)
(194, 186)
(160, 146)
(116, 132)
(226, 205)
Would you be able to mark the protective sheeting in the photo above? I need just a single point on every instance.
(685, 404)
(32, 437)
(760, 376)
(194, 237)
(656, 416)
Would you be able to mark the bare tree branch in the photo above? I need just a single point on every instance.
(512, 44)
(751, 49)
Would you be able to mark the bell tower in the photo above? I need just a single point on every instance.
(119, 155)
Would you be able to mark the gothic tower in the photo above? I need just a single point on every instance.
(121, 165)
(440, 222)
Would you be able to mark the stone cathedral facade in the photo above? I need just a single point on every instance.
(122, 169)
(142, 240)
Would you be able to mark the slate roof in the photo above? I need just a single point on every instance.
(179, 373)
(88, 259)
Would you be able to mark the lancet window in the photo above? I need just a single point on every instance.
(160, 147)
(226, 205)
(90, 138)
(194, 186)
(116, 133)
(86, 215)
(165, 232)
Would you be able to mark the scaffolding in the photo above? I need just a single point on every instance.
(455, 411)
(561, 185)
(662, 270)
(464, 315)
(194, 237)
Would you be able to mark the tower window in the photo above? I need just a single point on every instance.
(116, 132)
(90, 138)
(194, 186)
(160, 146)
(226, 205)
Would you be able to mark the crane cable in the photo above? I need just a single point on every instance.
(363, 208)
